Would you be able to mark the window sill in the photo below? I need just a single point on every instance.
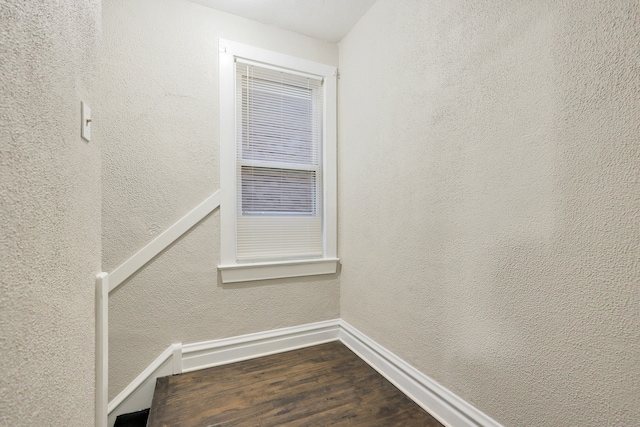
(277, 270)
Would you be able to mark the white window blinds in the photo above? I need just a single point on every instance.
(279, 117)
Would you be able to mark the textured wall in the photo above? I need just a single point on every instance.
(160, 159)
(490, 201)
(49, 212)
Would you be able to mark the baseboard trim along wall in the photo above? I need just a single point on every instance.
(448, 408)
(139, 393)
(179, 358)
(444, 405)
(219, 352)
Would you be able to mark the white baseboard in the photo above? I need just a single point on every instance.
(445, 406)
(219, 352)
(138, 395)
(192, 357)
(448, 408)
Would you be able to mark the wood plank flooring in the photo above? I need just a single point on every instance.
(324, 385)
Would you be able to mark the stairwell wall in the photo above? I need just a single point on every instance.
(49, 211)
(490, 201)
(159, 86)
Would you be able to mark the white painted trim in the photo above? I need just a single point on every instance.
(228, 350)
(105, 413)
(444, 405)
(330, 157)
(162, 241)
(277, 270)
(231, 270)
(139, 393)
(176, 358)
(227, 90)
(269, 57)
(140, 379)
(102, 349)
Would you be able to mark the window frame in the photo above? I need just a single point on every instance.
(230, 269)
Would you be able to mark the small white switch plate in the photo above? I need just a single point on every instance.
(86, 122)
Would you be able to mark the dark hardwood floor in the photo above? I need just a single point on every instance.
(323, 385)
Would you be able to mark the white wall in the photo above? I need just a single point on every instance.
(490, 201)
(160, 114)
(49, 212)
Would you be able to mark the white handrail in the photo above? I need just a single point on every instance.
(102, 348)
(106, 283)
(160, 243)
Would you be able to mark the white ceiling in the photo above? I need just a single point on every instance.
(322, 19)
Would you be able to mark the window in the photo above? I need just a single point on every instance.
(278, 165)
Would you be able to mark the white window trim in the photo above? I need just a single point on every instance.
(230, 270)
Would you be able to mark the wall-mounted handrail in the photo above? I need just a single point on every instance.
(107, 282)
(162, 241)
